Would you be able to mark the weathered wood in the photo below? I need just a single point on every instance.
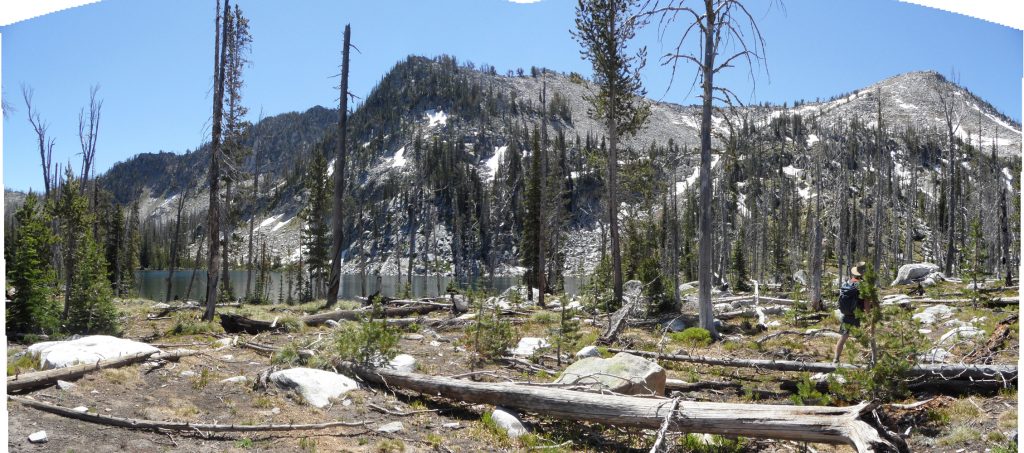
(236, 323)
(135, 423)
(994, 343)
(835, 425)
(750, 313)
(993, 301)
(943, 371)
(353, 315)
(36, 379)
(618, 321)
(809, 333)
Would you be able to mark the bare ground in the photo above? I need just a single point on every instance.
(971, 422)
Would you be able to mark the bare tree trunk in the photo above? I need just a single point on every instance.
(542, 154)
(337, 215)
(707, 318)
(227, 226)
(252, 219)
(213, 218)
(174, 245)
(195, 265)
(816, 265)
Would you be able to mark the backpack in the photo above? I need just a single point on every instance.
(849, 300)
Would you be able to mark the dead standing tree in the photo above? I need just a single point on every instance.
(213, 217)
(337, 219)
(722, 26)
(45, 145)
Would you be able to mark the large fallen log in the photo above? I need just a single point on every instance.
(1004, 373)
(135, 423)
(980, 301)
(43, 378)
(994, 343)
(236, 323)
(757, 312)
(834, 425)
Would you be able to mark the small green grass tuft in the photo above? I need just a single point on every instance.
(694, 336)
(25, 363)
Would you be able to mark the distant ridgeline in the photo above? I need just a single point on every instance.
(441, 165)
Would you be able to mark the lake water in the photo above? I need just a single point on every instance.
(153, 285)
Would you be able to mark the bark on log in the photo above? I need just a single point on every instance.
(999, 301)
(834, 425)
(751, 313)
(618, 322)
(944, 371)
(235, 323)
(994, 343)
(43, 378)
(134, 423)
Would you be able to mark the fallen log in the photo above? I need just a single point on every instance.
(235, 323)
(750, 313)
(994, 343)
(134, 423)
(36, 379)
(834, 425)
(980, 301)
(809, 333)
(940, 370)
(354, 315)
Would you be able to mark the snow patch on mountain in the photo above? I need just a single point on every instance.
(495, 160)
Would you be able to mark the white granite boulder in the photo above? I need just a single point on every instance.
(914, 272)
(508, 421)
(934, 313)
(316, 387)
(528, 345)
(624, 373)
(588, 351)
(403, 362)
(90, 349)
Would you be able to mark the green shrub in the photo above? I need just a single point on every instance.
(370, 342)
(696, 443)
(24, 363)
(807, 393)
(188, 324)
(544, 317)
(491, 335)
(693, 336)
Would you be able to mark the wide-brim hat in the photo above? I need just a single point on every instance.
(858, 269)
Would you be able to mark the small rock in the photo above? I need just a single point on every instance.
(188, 373)
(346, 403)
(223, 342)
(332, 323)
(460, 303)
(392, 427)
(508, 421)
(38, 437)
(65, 385)
(675, 325)
(453, 425)
(81, 409)
(588, 351)
(227, 357)
(823, 377)
(275, 411)
(161, 306)
(235, 379)
(413, 336)
(936, 355)
(933, 314)
(403, 362)
(528, 345)
(95, 392)
(435, 343)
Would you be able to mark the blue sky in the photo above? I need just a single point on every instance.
(153, 60)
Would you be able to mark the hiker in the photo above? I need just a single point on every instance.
(849, 303)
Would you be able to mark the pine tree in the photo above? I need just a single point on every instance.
(33, 309)
(317, 232)
(603, 28)
(89, 307)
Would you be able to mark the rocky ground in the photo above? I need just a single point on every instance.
(194, 388)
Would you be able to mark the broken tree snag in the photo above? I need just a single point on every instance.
(618, 321)
(834, 425)
(37, 379)
(134, 423)
(945, 371)
(995, 342)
